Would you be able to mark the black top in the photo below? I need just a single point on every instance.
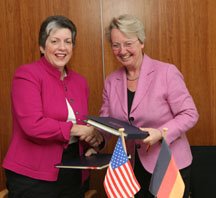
(130, 95)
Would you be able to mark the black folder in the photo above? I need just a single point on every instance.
(112, 125)
(95, 161)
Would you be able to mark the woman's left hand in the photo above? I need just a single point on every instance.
(90, 152)
(154, 136)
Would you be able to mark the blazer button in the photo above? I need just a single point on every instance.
(76, 112)
(71, 100)
(137, 146)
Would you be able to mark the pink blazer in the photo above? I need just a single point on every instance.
(40, 127)
(161, 100)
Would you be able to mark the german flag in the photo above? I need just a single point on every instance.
(166, 181)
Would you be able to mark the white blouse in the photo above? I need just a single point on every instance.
(71, 117)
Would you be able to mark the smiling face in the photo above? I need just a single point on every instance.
(58, 47)
(128, 51)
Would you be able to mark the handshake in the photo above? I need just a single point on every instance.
(88, 134)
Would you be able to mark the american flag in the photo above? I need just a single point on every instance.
(120, 181)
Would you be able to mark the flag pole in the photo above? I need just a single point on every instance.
(121, 130)
(164, 133)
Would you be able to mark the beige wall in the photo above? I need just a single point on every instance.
(180, 32)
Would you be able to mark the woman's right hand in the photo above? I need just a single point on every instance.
(87, 133)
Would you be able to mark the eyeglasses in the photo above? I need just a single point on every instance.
(127, 44)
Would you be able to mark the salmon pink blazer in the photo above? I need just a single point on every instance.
(161, 100)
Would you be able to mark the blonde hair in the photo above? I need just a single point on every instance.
(129, 25)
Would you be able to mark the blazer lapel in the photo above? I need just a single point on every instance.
(145, 80)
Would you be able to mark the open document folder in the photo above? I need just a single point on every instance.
(95, 161)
